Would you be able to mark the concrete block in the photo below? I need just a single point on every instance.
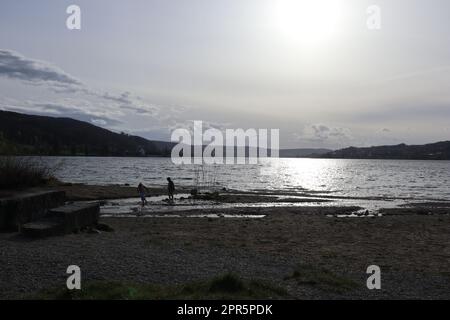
(27, 206)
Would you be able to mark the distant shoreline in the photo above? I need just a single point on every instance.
(49, 136)
(156, 156)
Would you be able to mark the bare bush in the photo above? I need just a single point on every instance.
(23, 172)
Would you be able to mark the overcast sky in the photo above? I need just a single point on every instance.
(316, 73)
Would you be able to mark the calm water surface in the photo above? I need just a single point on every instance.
(355, 178)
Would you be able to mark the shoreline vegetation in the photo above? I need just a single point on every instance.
(20, 172)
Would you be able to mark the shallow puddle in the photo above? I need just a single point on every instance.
(212, 216)
(159, 206)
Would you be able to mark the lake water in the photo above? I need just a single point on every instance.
(353, 178)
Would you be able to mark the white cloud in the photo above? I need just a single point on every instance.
(99, 122)
(15, 66)
(68, 96)
(322, 134)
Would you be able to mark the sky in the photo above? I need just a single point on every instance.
(310, 68)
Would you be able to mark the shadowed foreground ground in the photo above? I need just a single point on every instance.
(299, 253)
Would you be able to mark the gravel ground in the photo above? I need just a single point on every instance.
(413, 252)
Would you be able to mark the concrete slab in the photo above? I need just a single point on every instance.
(76, 216)
(44, 228)
(27, 206)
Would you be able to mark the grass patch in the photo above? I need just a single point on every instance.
(23, 172)
(322, 278)
(228, 283)
(228, 286)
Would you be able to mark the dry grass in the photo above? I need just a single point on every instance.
(23, 172)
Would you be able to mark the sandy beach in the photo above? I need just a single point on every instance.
(306, 251)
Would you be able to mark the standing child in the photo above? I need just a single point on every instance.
(170, 189)
(142, 189)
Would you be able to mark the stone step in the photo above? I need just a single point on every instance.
(76, 216)
(27, 206)
(64, 220)
(44, 228)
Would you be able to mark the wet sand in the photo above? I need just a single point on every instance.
(78, 191)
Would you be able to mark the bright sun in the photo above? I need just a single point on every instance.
(308, 23)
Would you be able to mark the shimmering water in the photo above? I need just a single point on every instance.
(354, 178)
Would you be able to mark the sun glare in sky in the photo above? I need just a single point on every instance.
(307, 23)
